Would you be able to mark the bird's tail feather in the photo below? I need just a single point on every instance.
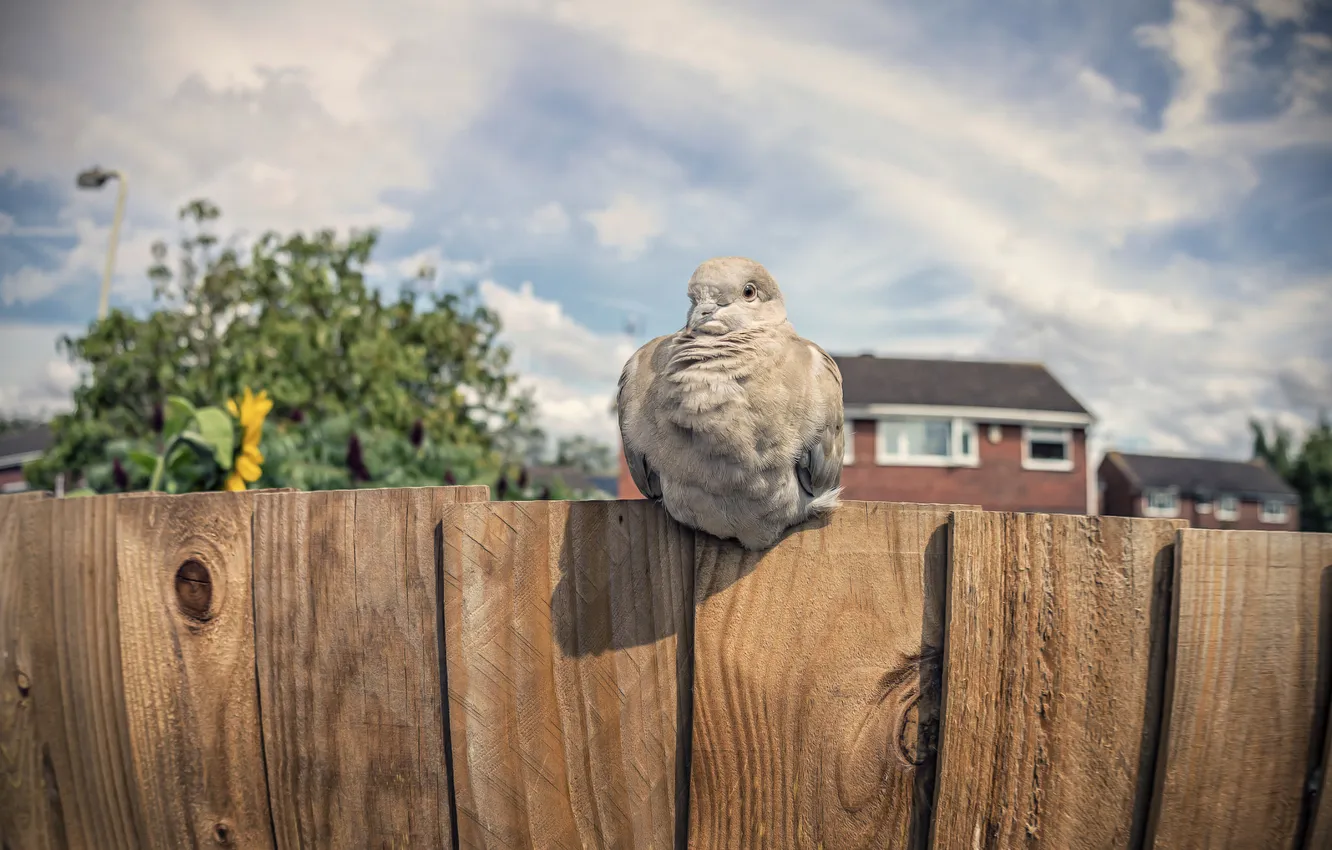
(825, 502)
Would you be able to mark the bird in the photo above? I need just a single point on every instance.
(734, 423)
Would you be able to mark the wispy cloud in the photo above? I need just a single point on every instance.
(1136, 194)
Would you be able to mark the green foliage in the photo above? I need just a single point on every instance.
(295, 315)
(193, 452)
(584, 453)
(320, 456)
(1308, 469)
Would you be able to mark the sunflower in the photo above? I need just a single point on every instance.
(251, 411)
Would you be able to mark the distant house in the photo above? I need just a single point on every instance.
(18, 448)
(1208, 492)
(1004, 436)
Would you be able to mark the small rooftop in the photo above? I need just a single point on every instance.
(1204, 477)
(17, 444)
(868, 379)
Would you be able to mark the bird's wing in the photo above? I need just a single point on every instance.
(819, 467)
(631, 395)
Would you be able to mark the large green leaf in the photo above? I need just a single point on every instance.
(218, 431)
(176, 417)
(144, 460)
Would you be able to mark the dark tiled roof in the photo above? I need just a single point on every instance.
(28, 440)
(952, 383)
(1206, 477)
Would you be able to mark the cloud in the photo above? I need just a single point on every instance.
(1141, 203)
(627, 224)
(570, 369)
(550, 219)
(40, 383)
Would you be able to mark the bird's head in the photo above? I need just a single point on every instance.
(733, 293)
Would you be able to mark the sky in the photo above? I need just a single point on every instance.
(1137, 194)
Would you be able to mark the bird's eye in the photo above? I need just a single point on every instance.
(751, 292)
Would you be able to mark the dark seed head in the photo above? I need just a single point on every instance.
(119, 476)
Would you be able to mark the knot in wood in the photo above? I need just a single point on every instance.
(194, 590)
(21, 680)
(222, 833)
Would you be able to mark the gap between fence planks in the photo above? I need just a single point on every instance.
(1056, 658)
(563, 622)
(1242, 694)
(349, 669)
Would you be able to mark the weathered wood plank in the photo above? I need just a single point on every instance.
(816, 683)
(1241, 691)
(1057, 636)
(349, 668)
(188, 656)
(1316, 552)
(30, 815)
(562, 622)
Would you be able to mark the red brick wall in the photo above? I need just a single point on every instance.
(1118, 498)
(9, 476)
(999, 483)
(1250, 517)
(626, 487)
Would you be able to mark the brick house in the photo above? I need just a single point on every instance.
(16, 449)
(1005, 436)
(1208, 492)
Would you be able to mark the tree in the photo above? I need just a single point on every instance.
(585, 454)
(1308, 469)
(292, 315)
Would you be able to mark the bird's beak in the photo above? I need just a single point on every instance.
(702, 314)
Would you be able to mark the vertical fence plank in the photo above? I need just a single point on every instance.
(29, 689)
(1057, 639)
(1242, 691)
(187, 651)
(349, 670)
(562, 622)
(816, 683)
(1317, 557)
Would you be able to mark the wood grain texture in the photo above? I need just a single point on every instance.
(349, 669)
(188, 656)
(1056, 647)
(30, 815)
(1316, 550)
(562, 624)
(816, 683)
(1241, 690)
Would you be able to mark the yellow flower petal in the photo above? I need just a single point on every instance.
(247, 469)
(252, 453)
(232, 408)
(235, 482)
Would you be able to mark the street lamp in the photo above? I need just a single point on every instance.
(96, 178)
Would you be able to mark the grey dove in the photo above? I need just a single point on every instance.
(734, 423)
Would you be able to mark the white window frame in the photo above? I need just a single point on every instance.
(1150, 510)
(1203, 506)
(1051, 435)
(955, 457)
(1224, 515)
(848, 442)
(1271, 518)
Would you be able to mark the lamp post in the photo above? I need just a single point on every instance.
(96, 178)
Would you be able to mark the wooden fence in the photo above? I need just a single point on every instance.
(425, 668)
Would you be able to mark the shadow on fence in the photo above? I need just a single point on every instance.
(425, 668)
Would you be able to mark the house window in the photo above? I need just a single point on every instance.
(1203, 506)
(1047, 448)
(1227, 508)
(1274, 511)
(848, 442)
(1160, 503)
(20, 486)
(926, 442)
